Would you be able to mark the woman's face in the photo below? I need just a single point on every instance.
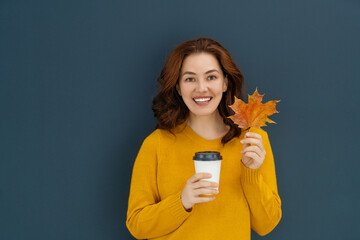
(201, 83)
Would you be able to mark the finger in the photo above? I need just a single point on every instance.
(244, 144)
(246, 160)
(205, 191)
(252, 155)
(205, 184)
(253, 135)
(254, 141)
(203, 199)
(253, 148)
(196, 177)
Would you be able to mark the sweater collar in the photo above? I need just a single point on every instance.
(189, 132)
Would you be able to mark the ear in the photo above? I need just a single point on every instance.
(225, 85)
(178, 89)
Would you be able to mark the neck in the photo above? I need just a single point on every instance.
(209, 127)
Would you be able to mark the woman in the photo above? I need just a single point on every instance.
(196, 86)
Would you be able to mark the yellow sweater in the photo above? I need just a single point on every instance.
(247, 198)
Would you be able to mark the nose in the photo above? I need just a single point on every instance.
(201, 85)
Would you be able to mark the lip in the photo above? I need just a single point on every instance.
(202, 97)
(202, 103)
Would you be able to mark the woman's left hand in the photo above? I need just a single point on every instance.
(253, 155)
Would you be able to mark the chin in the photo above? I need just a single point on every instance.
(203, 113)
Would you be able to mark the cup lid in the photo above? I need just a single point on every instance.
(207, 156)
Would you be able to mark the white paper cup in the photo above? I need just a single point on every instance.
(209, 162)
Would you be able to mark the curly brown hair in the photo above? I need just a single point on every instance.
(168, 106)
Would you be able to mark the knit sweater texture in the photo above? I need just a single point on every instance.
(248, 198)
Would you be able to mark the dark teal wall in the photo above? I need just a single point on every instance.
(76, 83)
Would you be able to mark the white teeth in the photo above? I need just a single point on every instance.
(202, 99)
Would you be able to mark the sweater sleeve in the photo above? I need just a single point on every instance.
(148, 215)
(261, 192)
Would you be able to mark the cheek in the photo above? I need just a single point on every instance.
(220, 88)
(185, 90)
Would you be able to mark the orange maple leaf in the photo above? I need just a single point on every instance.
(253, 114)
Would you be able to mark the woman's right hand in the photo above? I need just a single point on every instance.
(194, 187)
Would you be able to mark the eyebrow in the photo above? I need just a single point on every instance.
(192, 73)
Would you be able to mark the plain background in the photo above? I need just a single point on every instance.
(76, 83)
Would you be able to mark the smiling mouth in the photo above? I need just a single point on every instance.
(201, 100)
